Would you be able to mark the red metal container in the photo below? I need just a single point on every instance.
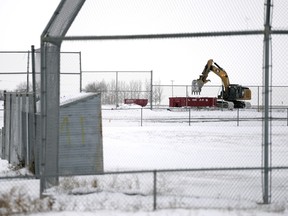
(192, 101)
(140, 102)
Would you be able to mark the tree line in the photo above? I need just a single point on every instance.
(113, 93)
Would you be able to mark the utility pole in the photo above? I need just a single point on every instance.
(172, 81)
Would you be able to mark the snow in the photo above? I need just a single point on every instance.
(167, 141)
(65, 99)
(172, 212)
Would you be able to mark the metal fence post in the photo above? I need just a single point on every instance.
(151, 90)
(258, 99)
(80, 68)
(154, 190)
(238, 117)
(141, 116)
(117, 103)
(189, 116)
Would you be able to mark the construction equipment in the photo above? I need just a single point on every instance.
(230, 92)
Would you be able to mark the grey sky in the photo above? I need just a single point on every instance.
(22, 22)
(181, 60)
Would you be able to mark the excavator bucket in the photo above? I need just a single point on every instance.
(196, 86)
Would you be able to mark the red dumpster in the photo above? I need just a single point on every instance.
(140, 102)
(192, 101)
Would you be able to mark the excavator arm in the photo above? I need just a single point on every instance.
(230, 92)
(199, 83)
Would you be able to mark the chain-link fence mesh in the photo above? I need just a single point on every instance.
(226, 188)
(16, 71)
(187, 157)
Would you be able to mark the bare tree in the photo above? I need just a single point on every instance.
(112, 94)
(135, 88)
(157, 93)
(1, 95)
(22, 87)
(96, 87)
(147, 87)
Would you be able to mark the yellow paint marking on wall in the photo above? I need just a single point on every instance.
(65, 126)
(82, 121)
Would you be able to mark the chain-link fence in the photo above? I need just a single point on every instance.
(163, 157)
(222, 188)
(187, 116)
(16, 71)
(200, 157)
(116, 86)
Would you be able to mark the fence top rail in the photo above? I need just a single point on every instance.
(155, 36)
(18, 93)
(176, 170)
(18, 177)
(118, 71)
(165, 107)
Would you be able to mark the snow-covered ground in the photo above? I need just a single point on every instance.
(164, 139)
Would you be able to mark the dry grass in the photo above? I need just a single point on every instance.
(17, 200)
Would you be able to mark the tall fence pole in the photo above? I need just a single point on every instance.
(267, 38)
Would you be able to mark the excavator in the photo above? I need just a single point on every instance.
(230, 92)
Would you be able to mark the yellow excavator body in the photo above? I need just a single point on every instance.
(230, 92)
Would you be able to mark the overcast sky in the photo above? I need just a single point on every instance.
(181, 60)
(22, 22)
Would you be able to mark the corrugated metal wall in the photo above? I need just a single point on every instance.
(80, 141)
(18, 128)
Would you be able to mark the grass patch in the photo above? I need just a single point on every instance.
(17, 200)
